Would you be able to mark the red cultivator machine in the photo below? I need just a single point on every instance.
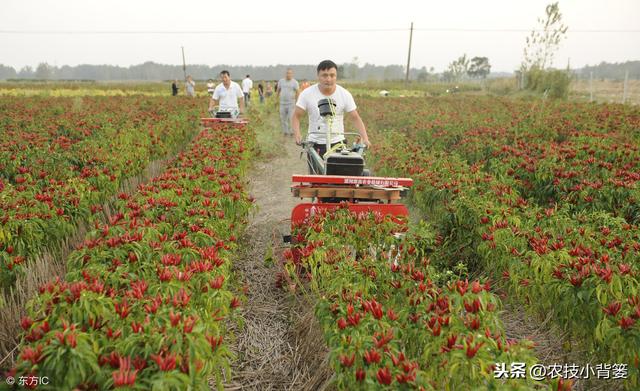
(223, 118)
(339, 178)
(360, 194)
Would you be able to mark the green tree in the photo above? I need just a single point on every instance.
(447, 76)
(540, 48)
(479, 68)
(458, 68)
(352, 68)
(7, 72)
(542, 44)
(26, 72)
(44, 71)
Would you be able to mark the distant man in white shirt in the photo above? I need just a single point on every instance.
(247, 85)
(308, 102)
(227, 95)
(287, 91)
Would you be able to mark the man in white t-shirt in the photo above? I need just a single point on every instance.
(227, 95)
(247, 85)
(308, 102)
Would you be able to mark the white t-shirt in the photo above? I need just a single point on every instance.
(247, 85)
(228, 98)
(308, 101)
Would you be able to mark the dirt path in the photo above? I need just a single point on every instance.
(267, 355)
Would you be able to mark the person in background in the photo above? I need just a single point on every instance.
(268, 90)
(247, 85)
(287, 91)
(228, 94)
(174, 88)
(210, 86)
(304, 85)
(261, 92)
(190, 86)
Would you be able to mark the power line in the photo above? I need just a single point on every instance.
(323, 31)
(522, 30)
(194, 31)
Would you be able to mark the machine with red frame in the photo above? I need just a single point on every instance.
(339, 177)
(221, 118)
(362, 194)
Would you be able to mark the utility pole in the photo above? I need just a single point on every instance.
(184, 65)
(406, 79)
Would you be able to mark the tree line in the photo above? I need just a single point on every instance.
(615, 71)
(153, 71)
(463, 67)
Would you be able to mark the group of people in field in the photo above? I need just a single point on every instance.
(295, 101)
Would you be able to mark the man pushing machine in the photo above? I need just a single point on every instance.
(308, 102)
(229, 98)
(341, 101)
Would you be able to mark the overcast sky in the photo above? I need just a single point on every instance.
(598, 31)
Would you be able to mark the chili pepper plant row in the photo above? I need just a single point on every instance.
(585, 157)
(148, 297)
(548, 206)
(61, 158)
(390, 318)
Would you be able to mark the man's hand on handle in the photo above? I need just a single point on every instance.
(357, 121)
